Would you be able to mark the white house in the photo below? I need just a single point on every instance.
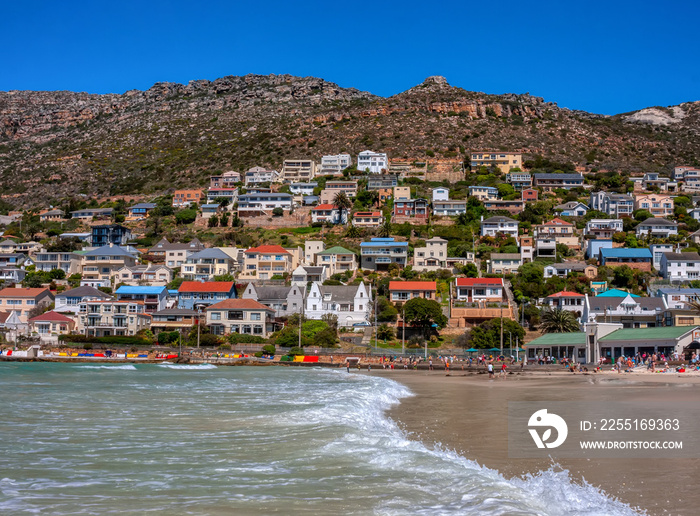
(302, 188)
(657, 227)
(680, 266)
(352, 304)
(335, 164)
(375, 162)
(329, 213)
(259, 175)
(603, 228)
(495, 225)
(479, 289)
(441, 194)
(564, 300)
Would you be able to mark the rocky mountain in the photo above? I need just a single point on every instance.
(57, 144)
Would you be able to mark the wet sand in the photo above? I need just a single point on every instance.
(468, 413)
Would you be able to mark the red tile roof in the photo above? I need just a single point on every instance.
(324, 207)
(473, 282)
(52, 317)
(239, 304)
(368, 213)
(207, 286)
(557, 222)
(565, 293)
(267, 249)
(412, 285)
(23, 292)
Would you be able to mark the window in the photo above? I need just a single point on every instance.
(255, 316)
(215, 316)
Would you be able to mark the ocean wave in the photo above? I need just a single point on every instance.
(196, 367)
(116, 367)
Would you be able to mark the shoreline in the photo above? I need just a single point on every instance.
(468, 414)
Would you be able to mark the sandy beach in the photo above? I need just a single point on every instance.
(468, 413)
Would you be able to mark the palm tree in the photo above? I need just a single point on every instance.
(558, 321)
(385, 229)
(343, 203)
(693, 305)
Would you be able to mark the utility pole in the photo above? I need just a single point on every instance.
(403, 336)
(199, 324)
(301, 318)
(503, 292)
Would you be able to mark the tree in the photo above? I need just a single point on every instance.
(342, 202)
(385, 332)
(384, 230)
(623, 277)
(386, 312)
(558, 321)
(488, 334)
(277, 212)
(222, 201)
(185, 216)
(223, 221)
(424, 313)
(331, 320)
(213, 221)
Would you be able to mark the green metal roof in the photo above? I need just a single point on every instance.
(559, 339)
(660, 333)
(336, 250)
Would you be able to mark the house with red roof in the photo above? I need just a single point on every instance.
(329, 213)
(566, 300)
(51, 323)
(479, 289)
(196, 294)
(245, 316)
(402, 291)
(266, 261)
(22, 300)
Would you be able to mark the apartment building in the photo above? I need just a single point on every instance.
(104, 318)
(244, 316)
(484, 193)
(328, 214)
(263, 203)
(22, 300)
(549, 182)
(176, 253)
(431, 257)
(334, 165)
(260, 175)
(418, 209)
(656, 204)
(603, 228)
(230, 194)
(298, 170)
(206, 264)
(151, 274)
(449, 208)
(70, 300)
(374, 162)
(197, 294)
(504, 161)
(333, 187)
(614, 205)
(266, 261)
(303, 188)
(184, 198)
(99, 265)
(336, 260)
(680, 266)
(519, 180)
(139, 211)
(110, 234)
(174, 319)
(153, 298)
(494, 226)
(382, 182)
(46, 261)
(226, 180)
(656, 227)
(379, 253)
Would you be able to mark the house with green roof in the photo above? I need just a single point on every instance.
(337, 260)
(611, 341)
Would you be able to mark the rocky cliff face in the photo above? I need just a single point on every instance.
(58, 144)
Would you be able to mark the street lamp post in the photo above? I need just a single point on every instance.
(403, 328)
(199, 324)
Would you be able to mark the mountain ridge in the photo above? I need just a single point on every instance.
(57, 144)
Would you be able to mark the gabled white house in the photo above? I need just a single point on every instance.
(352, 304)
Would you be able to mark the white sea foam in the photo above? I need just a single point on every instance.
(115, 367)
(195, 367)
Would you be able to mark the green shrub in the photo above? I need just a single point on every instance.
(269, 349)
(87, 346)
(296, 350)
(242, 338)
(259, 354)
(114, 340)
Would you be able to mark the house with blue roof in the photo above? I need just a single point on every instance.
(154, 298)
(379, 253)
(634, 258)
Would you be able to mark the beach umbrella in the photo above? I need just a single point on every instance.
(472, 350)
(495, 349)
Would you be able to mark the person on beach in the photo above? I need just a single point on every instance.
(490, 369)
(430, 364)
(504, 370)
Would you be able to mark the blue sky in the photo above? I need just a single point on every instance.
(605, 57)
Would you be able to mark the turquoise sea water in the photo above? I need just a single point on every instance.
(175, 439)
